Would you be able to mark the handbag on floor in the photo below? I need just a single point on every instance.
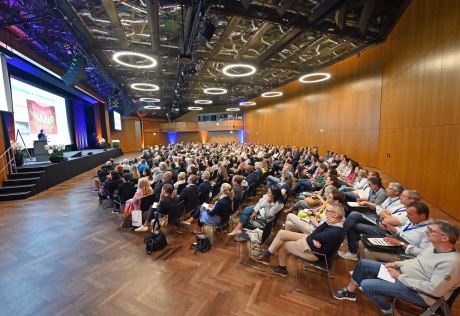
(202, 244)
(157, 240)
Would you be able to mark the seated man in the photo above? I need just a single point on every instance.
(190, 194)
(325, 239)
(393, 211)
(435, 271)
(411, 237)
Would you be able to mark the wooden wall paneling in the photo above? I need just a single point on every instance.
(130, 136)
(368, 110)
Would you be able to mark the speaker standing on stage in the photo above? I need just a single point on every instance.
(42, 135)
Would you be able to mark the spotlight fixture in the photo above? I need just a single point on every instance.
(116, 57)
(320, 76)
(247, 103)
(149, 100)
(145, 86)
(152, 107)
(215, 91)
(227, 70)
(195, 108)
(272, 94)
(203, 101)
(232, 109)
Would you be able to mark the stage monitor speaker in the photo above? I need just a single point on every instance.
(89, 154)
(76, 155)
(73, 74)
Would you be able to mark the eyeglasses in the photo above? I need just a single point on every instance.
(431, 231)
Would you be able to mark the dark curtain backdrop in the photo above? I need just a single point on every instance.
(6, 117)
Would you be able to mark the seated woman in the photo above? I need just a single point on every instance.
(143, 189)
(110, 185)
(325, 239)
(167, 201)
(285, 184)
(308, 219)
(181, 183)
(148, 174)
(135, 172)
(267, 207)
(362, 192)
(358, 182)
(217, 213)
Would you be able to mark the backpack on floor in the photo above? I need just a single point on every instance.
(202, 244)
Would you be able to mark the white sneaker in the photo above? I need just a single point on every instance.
(348, 255)
(142, 229)
(233, 233)
(350, 272)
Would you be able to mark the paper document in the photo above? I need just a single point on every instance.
(353, 204)
(379, 242)
(370, 219)
(385, 275)
(205, 206)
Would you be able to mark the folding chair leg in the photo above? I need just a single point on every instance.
(312, 293)
(246, 262)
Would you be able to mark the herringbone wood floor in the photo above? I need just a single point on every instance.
(62, 254)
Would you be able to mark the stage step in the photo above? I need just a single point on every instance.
(30, 169)
(25, 175)
(15, 196)
(22, 181)
(19, 189)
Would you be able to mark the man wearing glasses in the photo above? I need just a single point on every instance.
(435, 271)
(325, 239)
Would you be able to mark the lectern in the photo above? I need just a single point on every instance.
(41, 154)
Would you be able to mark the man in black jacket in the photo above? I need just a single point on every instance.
(190, 194)
(325, 239)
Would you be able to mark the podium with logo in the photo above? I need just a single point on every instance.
(41, 154)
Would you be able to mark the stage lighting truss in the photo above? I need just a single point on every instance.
(152, 62)
(203, 102)
(195, 108)
(272, 94)
(230, 70)
(149, 100)
(247, 103)
(215, 91)
(315, 77)
(145, 86)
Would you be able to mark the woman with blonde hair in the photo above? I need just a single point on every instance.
(217, 213)
(143, 189)
(135, 171)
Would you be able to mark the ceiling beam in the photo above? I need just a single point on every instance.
(366, 15)
(154, 25)
(285, 40)
(341, 16)
(253, 40)
(111, 11)
(323, 10)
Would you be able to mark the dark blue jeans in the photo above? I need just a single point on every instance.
(378, 291)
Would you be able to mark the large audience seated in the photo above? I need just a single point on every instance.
(326, 200)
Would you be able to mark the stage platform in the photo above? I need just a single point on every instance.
(34, 177)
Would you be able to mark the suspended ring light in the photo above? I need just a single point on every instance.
(321, 77)
(215, 91)
(149, 100)
(272, 94)
(250, 70)
(203, 101)
(152, 107)
(145, 86)
(195, 108)
(247, 103)
(232, 109)
(117, 56)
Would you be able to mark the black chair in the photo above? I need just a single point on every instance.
(180, 187)
(440, 306)
(322, 266)
(174, 214)
(266, 232)
(146, 203)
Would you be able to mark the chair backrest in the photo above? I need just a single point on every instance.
(453, 296)
(180, 187)
(175, 213)
(146, 202)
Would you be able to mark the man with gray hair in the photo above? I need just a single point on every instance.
(435, 272)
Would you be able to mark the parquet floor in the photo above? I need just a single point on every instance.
(62, 254)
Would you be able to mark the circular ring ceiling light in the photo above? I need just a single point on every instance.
(145, 86)
(247, 103)
(232, 109)
(195, 108)
(315, 77)
(117, 56)
(149, 100)
(203, 102)
(233, 70)
(215, 91)
(272, 94)
(152, 107)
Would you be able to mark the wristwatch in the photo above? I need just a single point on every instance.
(402, 244)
